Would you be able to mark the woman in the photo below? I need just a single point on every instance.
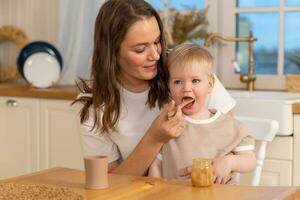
(121, 107)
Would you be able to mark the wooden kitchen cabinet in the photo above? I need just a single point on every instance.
(19, 133)
(278, 165)
(60, 144)
(276, 173)
(296, 149)
(277, 170)
(37, 134)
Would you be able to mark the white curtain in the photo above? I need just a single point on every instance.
(75, 38)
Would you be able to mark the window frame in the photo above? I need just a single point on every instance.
(222, 18)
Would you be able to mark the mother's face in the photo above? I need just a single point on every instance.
(140, 51)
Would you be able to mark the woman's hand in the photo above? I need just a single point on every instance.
(165, 127)
(222, 169)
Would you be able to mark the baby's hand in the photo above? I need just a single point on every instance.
(222, 170)
(186, 172)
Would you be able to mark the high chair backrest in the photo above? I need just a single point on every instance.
(263, 131)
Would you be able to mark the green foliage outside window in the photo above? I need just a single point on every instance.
(295, 58)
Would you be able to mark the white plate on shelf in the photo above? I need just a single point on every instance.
(42, 70)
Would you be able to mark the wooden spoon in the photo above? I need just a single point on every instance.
(185, 101)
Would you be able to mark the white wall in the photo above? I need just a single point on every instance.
(37, 18)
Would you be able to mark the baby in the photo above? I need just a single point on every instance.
(209, 133)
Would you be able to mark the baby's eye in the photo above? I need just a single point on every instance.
(177, 82)
(196, 81)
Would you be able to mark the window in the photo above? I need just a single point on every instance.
(276, 52)
(177, 4)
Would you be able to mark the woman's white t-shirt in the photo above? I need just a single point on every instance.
(135, 119)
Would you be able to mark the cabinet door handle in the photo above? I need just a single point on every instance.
(11, 103)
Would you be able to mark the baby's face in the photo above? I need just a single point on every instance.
(190, 81)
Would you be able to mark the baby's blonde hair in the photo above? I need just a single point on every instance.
(184, 54)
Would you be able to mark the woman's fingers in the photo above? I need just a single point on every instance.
(170, 106)
(171, 114)
(171, 109)
(179, 121)
(175, 124)
(168, 126)
(175, 114)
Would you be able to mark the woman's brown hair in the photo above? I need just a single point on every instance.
(113, 21)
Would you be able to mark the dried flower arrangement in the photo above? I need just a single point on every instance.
(295, 58)
(186, 26)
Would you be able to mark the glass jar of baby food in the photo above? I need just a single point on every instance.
(202, 172)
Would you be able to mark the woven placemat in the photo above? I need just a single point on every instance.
(36, 192)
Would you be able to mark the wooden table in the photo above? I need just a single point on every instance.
(134, 187)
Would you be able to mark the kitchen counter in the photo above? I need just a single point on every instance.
(56, 92)
(296, 108)
(137, 187)
(25, 90)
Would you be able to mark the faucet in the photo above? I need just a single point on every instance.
(244, 78)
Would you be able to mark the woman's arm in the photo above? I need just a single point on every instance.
(113, 165)
(139, 160)
(161, 130)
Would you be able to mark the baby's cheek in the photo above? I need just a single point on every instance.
(174, 93)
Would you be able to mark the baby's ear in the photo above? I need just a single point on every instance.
(211, 82)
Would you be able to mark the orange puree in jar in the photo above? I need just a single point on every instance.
(202, 172)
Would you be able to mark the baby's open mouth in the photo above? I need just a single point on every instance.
(187, 101)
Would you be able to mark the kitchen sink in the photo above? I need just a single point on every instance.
(267, 104)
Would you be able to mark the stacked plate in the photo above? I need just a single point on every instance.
(40, 64)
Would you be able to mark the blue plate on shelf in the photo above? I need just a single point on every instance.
(40, 64)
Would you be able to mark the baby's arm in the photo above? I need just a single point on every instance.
(243, 161)
(155, 169)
